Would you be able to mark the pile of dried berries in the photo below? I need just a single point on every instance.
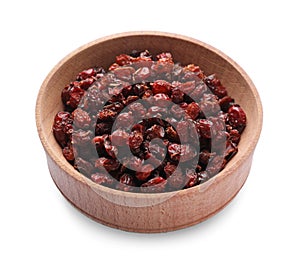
(148, 124)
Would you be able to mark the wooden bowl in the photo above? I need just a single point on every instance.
(147, 212)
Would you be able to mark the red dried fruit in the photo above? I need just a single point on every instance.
(103, 128)
(135, 163)
(183, 131)
(119, 137)
(177, 111)
(237, 117)
(124, 59)
(141, 74)
(193, 110)
(144, 172)
(225, 103)
(139, 128)
(140, 88)
(165, 57)
(230, 150)
(81, 137)
(186, 87)
(161, 100)
(187, 152)
(177, 96)
(126, 183)
(204, 128)
(195, 69)
(155, 185)
(216, 164)
(198, 92)
(83, 166)
(62, 127)
(107, 115)
(163, 134)
(82, 119)
(108, 164)
(234, 136)
(161, 86)
(174, 151)
(155, 131)
(124, 73)
(161, 67)
(124, 120)
(147, 94)
(171, 134)
(204, 157)
(138, 110)
(111, 150)
(103, 179)
(203, 177)
(71, 95)
(175, 178)
(135, 140)
(68, 153)
(85, 84)
(192, 178)
(86, 74)
(156, 111)
(130, 99)
(113, 67)
(156, 150)
(209, 105)
(215, 85)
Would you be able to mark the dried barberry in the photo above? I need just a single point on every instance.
(103, 179)
(62, 127)
(180, 108)
(155, 185)
(237, 117)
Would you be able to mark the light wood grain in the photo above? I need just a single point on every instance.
(149, 212)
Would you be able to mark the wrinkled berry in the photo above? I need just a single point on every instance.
(144, 172)
(155, 185)
(237, 117)
(161, 86)
(103, 179)
(180, 108)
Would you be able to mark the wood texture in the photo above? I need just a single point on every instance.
(149, 212)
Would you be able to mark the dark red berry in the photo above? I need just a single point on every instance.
(126, 183)
(119, 137)
(155, 185)
(68, 153)
(204, 128)
(103, 179)
(180, 108)
(237, 117)
(193, 110)
(135, 140)
(82, 119)
(144, 172)
(108, 164)
(62, 127)
(86, 74)
(174, 151)
(161, 86)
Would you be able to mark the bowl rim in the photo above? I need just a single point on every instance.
(68, 168)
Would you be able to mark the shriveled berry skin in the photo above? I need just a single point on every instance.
(63, 127)
(149, 125)
(155, 185)
(237, 117)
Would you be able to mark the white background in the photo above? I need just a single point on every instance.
(259, 228)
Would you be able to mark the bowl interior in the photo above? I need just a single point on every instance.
(102, 52)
